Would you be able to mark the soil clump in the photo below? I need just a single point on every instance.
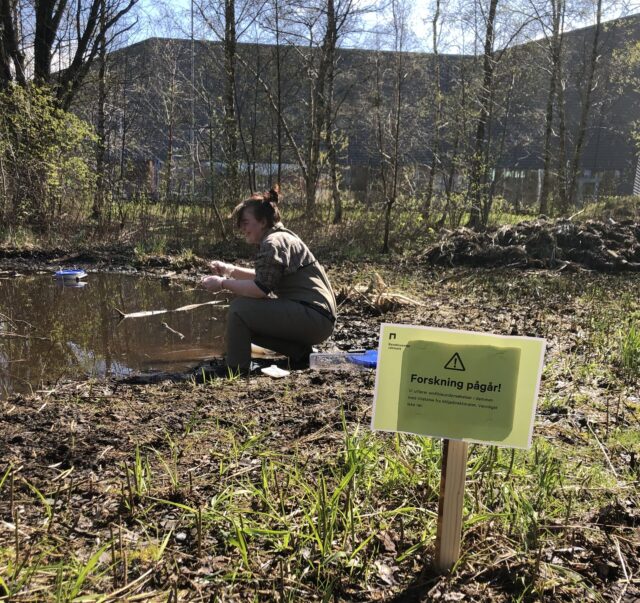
(604, 246)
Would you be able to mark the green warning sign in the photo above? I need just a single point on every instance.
(457, 384)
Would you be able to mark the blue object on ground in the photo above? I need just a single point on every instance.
(368, 359)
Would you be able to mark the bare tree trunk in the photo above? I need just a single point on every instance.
(391, 194)
(460, 135)
(437, 112)
(586, 107)
(4, 193)
(317, 109)
(563, 202)
(308, 156)
(169, 161)
(10, 48)
(278, 91)
(212, 178)
(393, 197)
(250, 151)
(448, 187)
(477, 182)
(123, 140)
(48, 14)
(231, 129)
(98, 199)
(251, 161)
(558, 7)
(503, 137)
(332, 37)
(380, 141)
(315, 119)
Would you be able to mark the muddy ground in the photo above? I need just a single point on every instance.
(71, 486)
(608, 246)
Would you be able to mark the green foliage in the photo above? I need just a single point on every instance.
(615, 207)
(17, 236)
(45, 154)
(502, 212)
(630, 348)
(151, 246)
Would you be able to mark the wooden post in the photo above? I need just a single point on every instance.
(454, 470)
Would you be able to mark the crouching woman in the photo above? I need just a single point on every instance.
(285, 303)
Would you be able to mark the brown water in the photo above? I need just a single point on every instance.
(75, 331)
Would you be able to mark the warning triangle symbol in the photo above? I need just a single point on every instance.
(455, 363)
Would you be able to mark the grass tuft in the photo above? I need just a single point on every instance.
(630, 349)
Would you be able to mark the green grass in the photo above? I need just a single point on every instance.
(309, 521)
(615, 207)
(323, 525)
(629, 346)
(153, 228)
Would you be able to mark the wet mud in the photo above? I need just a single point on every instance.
(77, 444)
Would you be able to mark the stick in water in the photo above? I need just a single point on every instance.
(166, 326)
(145, 313)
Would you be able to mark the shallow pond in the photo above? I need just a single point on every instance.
(50, 330)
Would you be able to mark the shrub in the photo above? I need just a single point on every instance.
(45, 154)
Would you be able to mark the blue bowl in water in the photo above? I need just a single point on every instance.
(368, 359)
(70, 275)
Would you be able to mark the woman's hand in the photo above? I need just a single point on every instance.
(212, 283)
(222, 268)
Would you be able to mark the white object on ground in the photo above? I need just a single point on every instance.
(275, 371)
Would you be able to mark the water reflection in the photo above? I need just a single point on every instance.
(51, 329)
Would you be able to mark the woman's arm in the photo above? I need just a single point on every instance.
(242, 274)
(231, 271)
(243, 287)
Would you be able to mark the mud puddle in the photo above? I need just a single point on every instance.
(50, 330)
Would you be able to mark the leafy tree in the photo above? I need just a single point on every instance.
(46, 157)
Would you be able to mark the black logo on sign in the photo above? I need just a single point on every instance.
(392, 335)
(455, 363)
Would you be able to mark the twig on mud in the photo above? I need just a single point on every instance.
(492, 566)
(320, 433)
(627, 576)
(66, 473)
(79, 531)
(139, 581)
(451, 277)
(19, 335)
(12, 527)
(13, 321)
(366, 300)
(604, 452)
(101, 455)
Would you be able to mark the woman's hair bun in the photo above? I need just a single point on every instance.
(263, 205)
(273, 196)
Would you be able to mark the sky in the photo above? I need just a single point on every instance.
(170, 18)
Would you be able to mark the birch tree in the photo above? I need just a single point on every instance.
(69, 30)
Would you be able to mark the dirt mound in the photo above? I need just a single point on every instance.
(608, 246)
